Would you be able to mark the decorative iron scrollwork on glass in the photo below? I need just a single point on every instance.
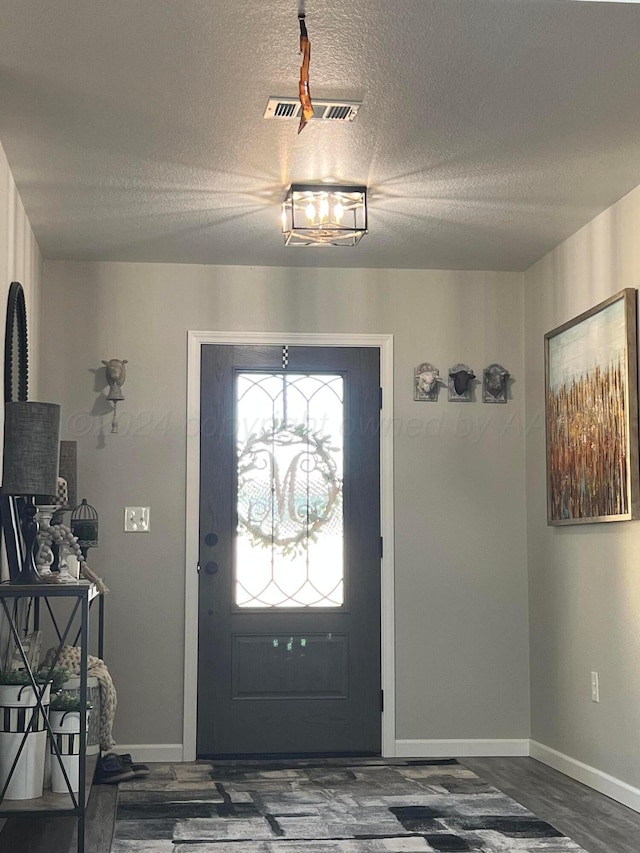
(289, 543)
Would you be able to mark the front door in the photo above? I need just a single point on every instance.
(289, 583)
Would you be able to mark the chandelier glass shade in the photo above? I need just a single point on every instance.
(324, 215)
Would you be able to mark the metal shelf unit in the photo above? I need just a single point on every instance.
(80, 597)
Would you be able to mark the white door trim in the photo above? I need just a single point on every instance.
(196, 339)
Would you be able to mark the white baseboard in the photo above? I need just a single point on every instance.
(149, 752)
(618, 790)
(459, 748)
(454, 748)
(591, 776)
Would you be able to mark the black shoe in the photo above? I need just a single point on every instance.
(141, 770)
(110, 770)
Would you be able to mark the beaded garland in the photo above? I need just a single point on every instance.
(60, 534)
(57, 534)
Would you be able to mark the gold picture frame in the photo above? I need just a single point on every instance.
(591, 406)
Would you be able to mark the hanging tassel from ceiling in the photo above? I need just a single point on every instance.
(303, 86)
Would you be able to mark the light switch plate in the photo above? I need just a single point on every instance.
(136, 519)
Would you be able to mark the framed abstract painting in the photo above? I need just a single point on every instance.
(591, 401)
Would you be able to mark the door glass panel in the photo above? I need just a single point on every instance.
(289, 543)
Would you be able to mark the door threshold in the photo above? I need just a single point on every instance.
(286, 756)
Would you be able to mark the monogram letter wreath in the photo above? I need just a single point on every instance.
(288, 487)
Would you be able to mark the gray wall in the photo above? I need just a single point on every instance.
(584, 581)
(461, 584)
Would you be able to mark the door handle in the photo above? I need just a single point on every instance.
(211, 568)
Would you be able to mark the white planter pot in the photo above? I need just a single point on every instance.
(18, 707)
(65, 726)
(72, 686)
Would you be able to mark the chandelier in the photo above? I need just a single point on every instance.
(324, 215)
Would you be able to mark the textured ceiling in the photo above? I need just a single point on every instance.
(490, 130)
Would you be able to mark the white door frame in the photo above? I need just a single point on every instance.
(195, 342)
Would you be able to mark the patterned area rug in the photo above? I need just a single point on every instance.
(335, 806)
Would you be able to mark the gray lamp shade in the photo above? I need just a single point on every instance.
(31, 448)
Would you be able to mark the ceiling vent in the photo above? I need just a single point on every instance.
(324, 110)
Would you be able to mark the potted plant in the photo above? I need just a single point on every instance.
(64, 703)
(72, 685)
(56, 677)
(65, 714)
(23, 734)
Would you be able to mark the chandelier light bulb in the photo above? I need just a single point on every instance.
(318, 215)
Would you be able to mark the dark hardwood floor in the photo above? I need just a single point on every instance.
(595, 822)
(58, 835)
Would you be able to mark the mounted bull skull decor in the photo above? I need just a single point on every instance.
(461, 379)
(426, 382)
(495, 384)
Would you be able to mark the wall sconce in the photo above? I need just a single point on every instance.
(324, 215)
(116, 375)
(31, 451)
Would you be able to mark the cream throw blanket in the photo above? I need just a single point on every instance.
(70, 657)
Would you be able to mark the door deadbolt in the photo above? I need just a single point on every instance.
(211, 568)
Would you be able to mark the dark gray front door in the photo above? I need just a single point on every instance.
(289, 584)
